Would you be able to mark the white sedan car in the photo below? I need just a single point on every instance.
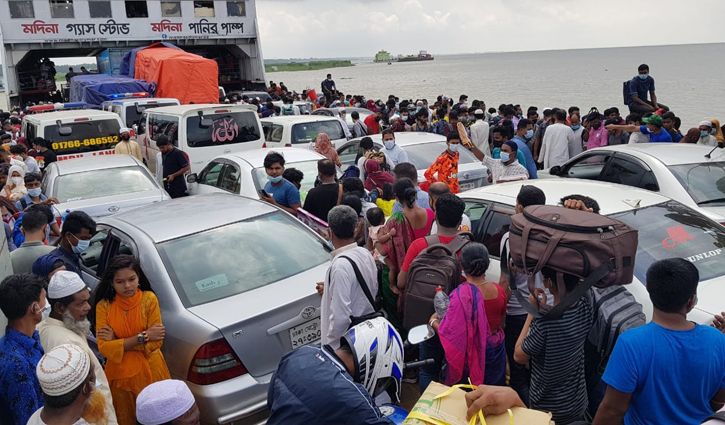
(667, 229)
(101, 185)
(242, 173)
(422, 149)
(679, 171)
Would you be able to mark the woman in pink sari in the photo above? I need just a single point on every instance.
(471, 332)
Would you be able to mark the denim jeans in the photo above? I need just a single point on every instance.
(431, 349)
(520, 374)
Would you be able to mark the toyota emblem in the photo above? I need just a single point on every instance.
(308, 312)
(114, 208)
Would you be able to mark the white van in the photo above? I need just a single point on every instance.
(75, 133)
(202, 132)
(130, 110)
(300, 130)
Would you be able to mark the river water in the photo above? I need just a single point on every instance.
(688, 78)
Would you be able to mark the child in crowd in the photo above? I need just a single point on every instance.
(386, 200)
(376, 221)
(555, 350)
(636, 137)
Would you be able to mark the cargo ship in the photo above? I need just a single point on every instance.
(422, 56)
(384, 56)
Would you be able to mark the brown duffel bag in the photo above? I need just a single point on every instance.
(597, 249)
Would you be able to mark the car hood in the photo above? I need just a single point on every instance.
(101, 207)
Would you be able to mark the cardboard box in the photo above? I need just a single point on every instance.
(452, 410)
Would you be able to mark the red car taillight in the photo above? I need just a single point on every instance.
(215, 362)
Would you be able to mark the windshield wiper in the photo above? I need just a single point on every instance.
(711, 201)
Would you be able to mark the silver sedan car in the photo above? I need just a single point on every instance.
(101, 186)
(422, 149)
(235, 279)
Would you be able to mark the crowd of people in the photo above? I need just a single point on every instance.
(75, 356)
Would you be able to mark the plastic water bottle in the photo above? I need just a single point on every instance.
(62, 219)
(441, 303)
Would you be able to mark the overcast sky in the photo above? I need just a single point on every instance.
(352, 28)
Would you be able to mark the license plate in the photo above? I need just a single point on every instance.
(306, 333)
(467, 186)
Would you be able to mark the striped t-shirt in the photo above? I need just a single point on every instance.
(556, 348)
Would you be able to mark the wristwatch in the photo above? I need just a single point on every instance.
(141, 338)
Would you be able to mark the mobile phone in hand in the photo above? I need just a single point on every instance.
(263, 194)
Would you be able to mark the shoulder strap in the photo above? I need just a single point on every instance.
(432, 240)
(460, 241)
(23, 203)
(362, 283)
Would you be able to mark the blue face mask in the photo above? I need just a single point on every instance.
(417, 108)
(82, 245)
(530, 134)
(389, 144)
(713, 131)
(704, 134)
(643, 76)
(505, 157)
(34, 193)
(274, 179)
(576, 127)
(454, 147)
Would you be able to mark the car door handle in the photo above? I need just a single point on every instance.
(466, 175)
(227, 151)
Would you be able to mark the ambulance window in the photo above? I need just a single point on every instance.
(30, 132)
(164, 124)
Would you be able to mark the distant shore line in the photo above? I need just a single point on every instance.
(306, 66)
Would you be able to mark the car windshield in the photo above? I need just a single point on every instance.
(241, 257)
(704, 182)
(225, 129)
(308, 168)
(86, 136)
(307, 132)
(101, 183)
(424, 154)
(671, 230)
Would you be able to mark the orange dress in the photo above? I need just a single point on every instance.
(129, 372)
(446, 166)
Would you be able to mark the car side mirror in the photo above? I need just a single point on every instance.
(555, 170)
(191, 178)
(419, 334)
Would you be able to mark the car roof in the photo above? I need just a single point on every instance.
(255, 157)
(671, 153)
(194, 109)
(78, 165)
(163, 221)
(407, 138)
(612, 198)
(347, 109)
(294, 119)
(72, 113)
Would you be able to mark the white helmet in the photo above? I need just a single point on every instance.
(378, 354)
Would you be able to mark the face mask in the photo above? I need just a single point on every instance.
(17, 180)
(45, 311)
(530, 134)
(404, 117)
(82, 245)
(125, 138)
(497, 144)
(34, 193)
(389, 144)
(596, 126)
(704, 134)
(505, 157)
(454, 147)
(519, 116)
(643, 76)
(576, 127)
(274, 179)
(418, 108)
(713, 131)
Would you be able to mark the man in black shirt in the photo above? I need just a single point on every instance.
(45, 155)
(326, 196)
(328, 87)
(175, 165)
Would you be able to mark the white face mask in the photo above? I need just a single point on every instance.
(17, 180)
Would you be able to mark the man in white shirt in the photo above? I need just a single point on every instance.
(434, 192)
(342, 292)
(557, 139)
(480, 132)
(68, 323)
(394, 154)
(341, 118)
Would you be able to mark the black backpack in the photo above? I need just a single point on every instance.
(615, 311)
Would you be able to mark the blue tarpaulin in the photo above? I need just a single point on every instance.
(94, 88)
(128, 65)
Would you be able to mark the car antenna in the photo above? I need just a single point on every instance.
(713, 150)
